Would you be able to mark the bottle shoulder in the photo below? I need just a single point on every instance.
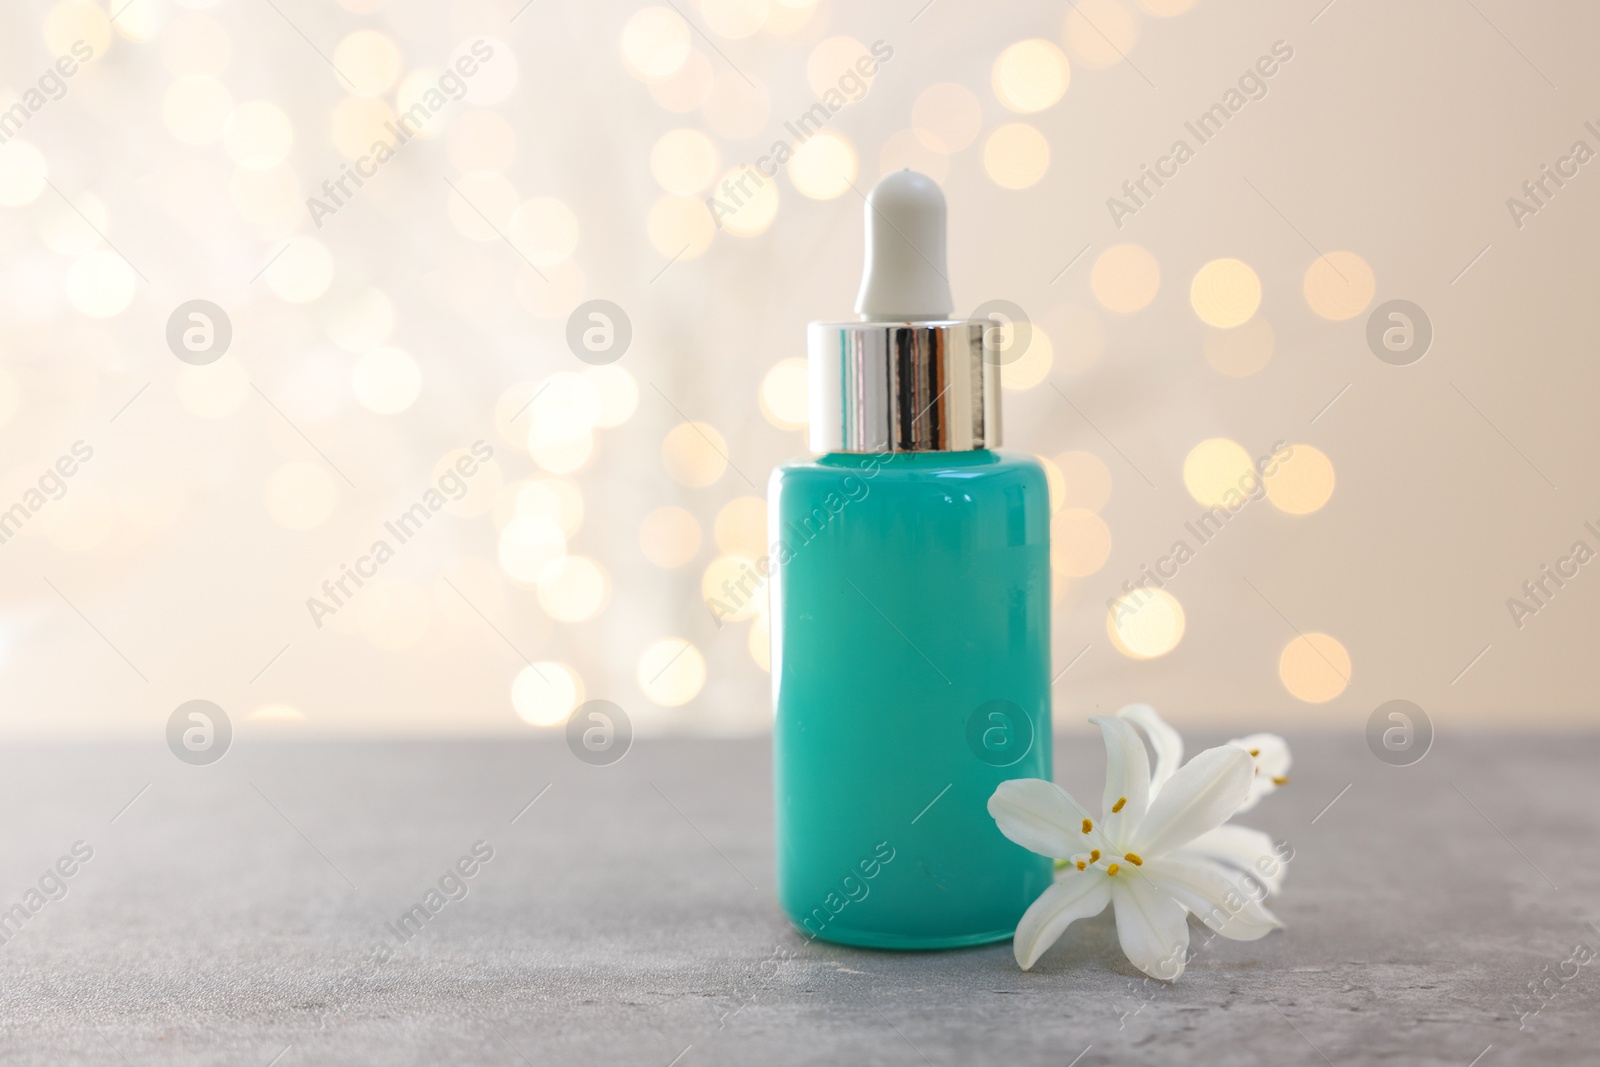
(986, 466)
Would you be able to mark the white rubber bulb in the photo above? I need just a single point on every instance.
(904, 277)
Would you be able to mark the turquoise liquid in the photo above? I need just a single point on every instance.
(910, 669)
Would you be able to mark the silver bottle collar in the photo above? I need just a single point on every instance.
(904, 386)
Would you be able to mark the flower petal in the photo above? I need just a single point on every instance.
(1250, 852)
(1210, 893)
(1153, 927)
(1200, 796)
(1163, 738)
(1271, 754)
(1078, 896)
(1127, 779)
(1039, 816)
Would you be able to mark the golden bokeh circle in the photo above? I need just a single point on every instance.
(759, 644)
(1080, 542)
(680, 227)
(1225, 293)
(529, 544)
(1030, 76)
(386, 380)
(1302, 483)
(101, 284)
(671, 672)
(1146, 623)
(618, 394)
(1100, 33)
(785, 394)
(695, 454)
(1016, 155)
(1339, 285)
(1218, 472)
(1033, 365)
(655, 42)
(741, 527)
(1314, 667)
(733, 588)
(745, 201)
(544, 693)
(71, 21)
(684, 161)
(1125, 278)
(370, 59)
(824, 167)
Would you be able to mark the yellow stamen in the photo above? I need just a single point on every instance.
(1087, 826)
(1255, 752)
(1082, 865)
(1118, 805)
(1133, 859)
(1113, 869)
(1094, 855)
(1280, 781)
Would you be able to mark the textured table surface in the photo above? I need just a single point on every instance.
(228, 916)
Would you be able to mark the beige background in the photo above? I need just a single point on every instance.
(178, 563)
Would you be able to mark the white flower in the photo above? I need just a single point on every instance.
(1141, 858)
(1271, 754)
(1249, 852)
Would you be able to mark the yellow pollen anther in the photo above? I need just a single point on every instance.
(1087, 826)
(1082, 865)
(1255, 752)
(1280, 781)
(1118, 805)
(1133, 859)
(1113, 869)
(1094, 855)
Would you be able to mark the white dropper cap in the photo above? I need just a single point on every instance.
(903, 278)
(906, 378)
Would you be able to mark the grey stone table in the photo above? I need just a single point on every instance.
(228, 915)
